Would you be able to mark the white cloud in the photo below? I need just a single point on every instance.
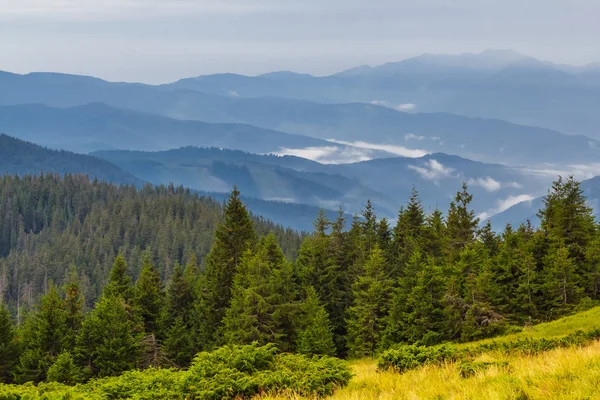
(433, 170)
(505, 204)
(233, 93)
(382, 103)
(412, 136)
(329, 154)
(406, 107)
(394, 149)
(579, 171)
(488, 183)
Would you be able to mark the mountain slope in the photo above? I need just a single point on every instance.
(478, 139)
(98, 126)
(21, 158)
(387, 181)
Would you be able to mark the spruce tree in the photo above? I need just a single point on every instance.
(42, 338)
(316, 335)
(119, 283)
(261, 308)
(560, 279)
(179, 344)
(461, 224)
(9, 351)
(73, 305)
(366, 320)
(149, 297)
(233, 237)
(106, 344)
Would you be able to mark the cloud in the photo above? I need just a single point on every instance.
(233, 93)
(406, 107)
(505, 204)
(488, 183)
(382, 103)
(329, 154)
(394, 149)
(433, 170)
(113, 9)
(579, 171)
(412, 136)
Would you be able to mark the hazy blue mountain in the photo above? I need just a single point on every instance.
(285, 179)
(98, 126)
(387, 182)
(473, 138)
(21, 158)
(524, 211)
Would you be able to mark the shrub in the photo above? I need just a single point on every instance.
(64, 370)
(470, 368)
(404, 358)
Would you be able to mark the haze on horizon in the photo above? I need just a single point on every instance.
(158, 41)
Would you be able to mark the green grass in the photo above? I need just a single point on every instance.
(585, 320)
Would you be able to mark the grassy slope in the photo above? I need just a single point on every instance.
(572, 373)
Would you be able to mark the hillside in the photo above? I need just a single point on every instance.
(97, 126)
(387, 181)
(22, 158)
(480, 139)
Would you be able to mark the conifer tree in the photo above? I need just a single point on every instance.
(119, 283)
(106, 344)
(366, 320)
(42, 338)
(434, 235)
(461, 224)
(149, 297)
(316, 335)
(233, 237)
(560, 282)
(9, 351)
(261, 306)
(369, 228)
(73, 305)
(179, 344)
(65, 370)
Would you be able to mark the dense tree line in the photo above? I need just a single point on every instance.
(352, 290)
(52, 227)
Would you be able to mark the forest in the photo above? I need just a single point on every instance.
(97, 279)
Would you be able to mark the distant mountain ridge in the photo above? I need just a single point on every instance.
(21, 158)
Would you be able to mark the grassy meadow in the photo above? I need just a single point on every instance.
(567, 373)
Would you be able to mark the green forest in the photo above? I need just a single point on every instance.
(97, 280)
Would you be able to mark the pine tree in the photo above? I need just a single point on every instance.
(371, 301)
(9, 351)
(119, 283)
(42, 338)
(179, 344)
(461, 224)
(261, 308)
(65, 370)
(149, 297)
(316, 335)
(180, 295)
(106, 344)
(369, 227)
(560, 282)
(73, 305)
(233, 237)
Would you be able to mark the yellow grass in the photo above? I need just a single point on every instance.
(569, 374)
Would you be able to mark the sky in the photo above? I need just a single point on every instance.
(159, 41)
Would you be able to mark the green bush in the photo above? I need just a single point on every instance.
(470, 368)
(232, 372)
(404, 358)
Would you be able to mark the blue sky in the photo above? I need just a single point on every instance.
(163, 40)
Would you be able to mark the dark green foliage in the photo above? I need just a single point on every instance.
(149, 297)
(404, 358)
(366, 318)
(243, 371)
(64, 370)
(315, 336)
(9, 351)
(262, 308)
(42, 338)
(233, 237)
(119, 283)
(107, 344)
